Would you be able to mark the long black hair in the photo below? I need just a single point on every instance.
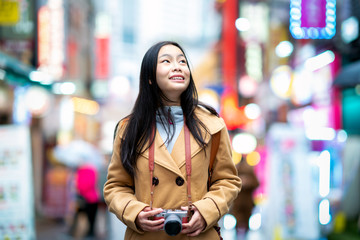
(142, 119)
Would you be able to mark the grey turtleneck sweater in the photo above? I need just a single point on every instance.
(178, 117)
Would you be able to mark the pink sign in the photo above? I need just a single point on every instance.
(313, 13)
(102, 58)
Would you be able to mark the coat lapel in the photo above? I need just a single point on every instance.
(162, 155)
(178, 152)
(176, 160)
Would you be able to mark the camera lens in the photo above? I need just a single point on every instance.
(172, 225)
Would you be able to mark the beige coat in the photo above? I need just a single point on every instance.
(127, 196)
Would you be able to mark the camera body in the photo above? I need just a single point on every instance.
(173, 220)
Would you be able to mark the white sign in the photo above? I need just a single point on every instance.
(17, 214)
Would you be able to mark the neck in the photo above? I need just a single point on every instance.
(171, 99)
(172, 103)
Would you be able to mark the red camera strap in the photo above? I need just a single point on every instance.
(187, 162)
(151, 168)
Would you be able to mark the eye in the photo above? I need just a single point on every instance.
(183, 61)
(164, 61)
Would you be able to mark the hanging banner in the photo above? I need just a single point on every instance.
(102, 58)
(17, 213)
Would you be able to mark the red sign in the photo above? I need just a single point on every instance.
(102, 58)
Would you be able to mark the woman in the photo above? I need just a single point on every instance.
(168, 125)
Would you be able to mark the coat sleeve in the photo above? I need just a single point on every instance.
(119, 191)
(225, 184)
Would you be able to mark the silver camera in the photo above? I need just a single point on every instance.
(173, 220)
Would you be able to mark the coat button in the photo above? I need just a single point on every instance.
(155, 181)
(179, 181)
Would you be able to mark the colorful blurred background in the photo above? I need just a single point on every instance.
(284, 75)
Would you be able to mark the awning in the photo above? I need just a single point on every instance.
(17, 73)
(349, 76)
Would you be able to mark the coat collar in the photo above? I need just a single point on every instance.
(176, 159)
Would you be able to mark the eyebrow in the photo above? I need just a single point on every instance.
(168, 55)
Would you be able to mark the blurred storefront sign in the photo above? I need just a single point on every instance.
(102, 58)
(350, 110)
(257, 16)
(102, 46)
(314, 19)
(9, 12)
(17, 29)
(293, 204)
(23, 27)
(254, 61)
(229, 64)
(51, 38)
(16, 187)
(313, 13)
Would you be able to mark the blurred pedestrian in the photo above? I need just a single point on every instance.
(87, 197)
(244, 203)
(163, 144)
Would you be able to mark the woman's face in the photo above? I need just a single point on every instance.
(172, 72)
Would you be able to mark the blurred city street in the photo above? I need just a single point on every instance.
(58, 229)
(284, 76)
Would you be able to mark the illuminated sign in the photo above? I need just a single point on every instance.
(9, 12)
(102, 46)
(51, 37)
(313, 19)
(102, 58)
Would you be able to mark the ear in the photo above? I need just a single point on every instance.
(150, 82)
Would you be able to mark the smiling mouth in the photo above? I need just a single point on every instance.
(177, 78)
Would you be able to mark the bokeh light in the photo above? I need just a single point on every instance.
(253, 158)
(244, 143)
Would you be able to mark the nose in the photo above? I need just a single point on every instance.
(176, 67)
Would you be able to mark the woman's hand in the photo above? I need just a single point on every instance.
(143, 222)
(196, 224)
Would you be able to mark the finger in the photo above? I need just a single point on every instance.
(194, 225)
(153, 225)
(155, 222)
(189, 228)
(151, 213)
